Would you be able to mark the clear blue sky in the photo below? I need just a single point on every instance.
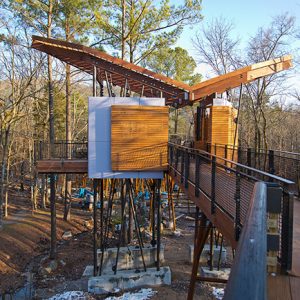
(247, 16)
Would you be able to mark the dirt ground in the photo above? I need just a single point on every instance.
(26, 235)
(25, 246)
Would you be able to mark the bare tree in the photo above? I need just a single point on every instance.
(268, 43)
(216, 47)
(19, 71)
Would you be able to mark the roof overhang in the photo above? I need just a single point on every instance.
(147, 83)
(117, 71)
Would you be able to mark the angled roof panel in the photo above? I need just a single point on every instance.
(141, 80)
(85, 58)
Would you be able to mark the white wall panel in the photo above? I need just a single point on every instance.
(99, 136)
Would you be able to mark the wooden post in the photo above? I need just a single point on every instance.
(95, 183)
(202, 234)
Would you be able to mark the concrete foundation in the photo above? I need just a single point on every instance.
(205, 254)
(128, 279)
(129, 258)
(222, 273)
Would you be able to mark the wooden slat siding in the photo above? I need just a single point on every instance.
(223, 128)
(139, 138)
(62, 166)
(220, 129)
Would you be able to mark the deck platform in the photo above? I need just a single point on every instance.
(62, 166)
(287, 286)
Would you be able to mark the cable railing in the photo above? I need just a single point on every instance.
(281, 163)
(228, 186)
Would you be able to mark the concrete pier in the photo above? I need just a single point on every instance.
(205, 254)
(129, 257)
(128, 279)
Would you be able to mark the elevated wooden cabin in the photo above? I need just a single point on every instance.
(215, 119)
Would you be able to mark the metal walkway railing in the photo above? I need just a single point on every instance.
(60, 150)
(280, 163)
(223, 188)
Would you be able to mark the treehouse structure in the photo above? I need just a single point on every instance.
(216, 123)
(128, 139)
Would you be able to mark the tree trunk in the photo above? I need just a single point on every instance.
(123, 39)
(68, 182)
(3, 174)
(43, 191)
(51, 138)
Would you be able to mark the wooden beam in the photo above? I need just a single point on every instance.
(244, 75)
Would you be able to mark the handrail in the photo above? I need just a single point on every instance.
(260, 149)
(199, 151)
(248, 274)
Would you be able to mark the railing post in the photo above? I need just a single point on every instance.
(176, 161)
(187, 169)
(207, 147)
(171, 154)
(182, 166)
(215, 149)
(249, 164)
(225, 152)
(197, 175)
(271, 161)
(213, 185)
(239, 155)
(287, 230)
(40, 150)
(274, 200)
(237, 197)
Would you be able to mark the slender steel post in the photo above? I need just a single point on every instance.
(271, 163)
(158, 225)
(287, 230)
(197, 175)
(108, 217)
(94, 81)
(123, 199)
(137, 227)
(211, 248)
(101, 211)
(182, 165)
(176, 161)
(196, 225)
(187, 169)
(220, 252)
(249, 160)
(153, 241)
(95, 183)
(213, 184)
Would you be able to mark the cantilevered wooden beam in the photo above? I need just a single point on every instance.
(244, 75)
